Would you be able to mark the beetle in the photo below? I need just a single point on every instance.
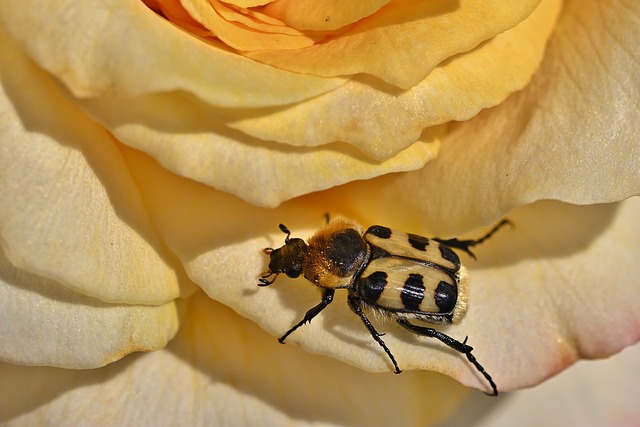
(397, 275)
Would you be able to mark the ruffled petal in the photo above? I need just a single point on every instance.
(551, 266)
(223, 370)
(69, 210)
(404, 41)
(186, 138)
(88, 45)
(381, 121)
(43, 323)
(571, 135)
(322, 15)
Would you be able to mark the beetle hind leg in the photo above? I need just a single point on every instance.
(465, 245)
(458, 346)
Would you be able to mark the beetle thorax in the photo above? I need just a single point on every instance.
(335, 257)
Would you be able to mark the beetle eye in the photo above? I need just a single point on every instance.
(293, 272)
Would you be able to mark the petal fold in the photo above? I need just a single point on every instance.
(70, 210)
(93, 55)
(214, 375)
(43, 323)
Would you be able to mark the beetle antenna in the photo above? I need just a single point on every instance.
(285, 230)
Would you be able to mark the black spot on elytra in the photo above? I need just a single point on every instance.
(446, 297)
(418, 242)
(373, 285)
(412, 293)
(379, 231)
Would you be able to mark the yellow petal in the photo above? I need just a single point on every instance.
(322, 15)
(555, 256)
(570, 135)
(185, 137)
(223, 370)
(241, 32)
(70, 210)
(94, 56)
(359, 112)
(560, 401)
(43, 323)
(404, 41)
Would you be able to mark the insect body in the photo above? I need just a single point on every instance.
(399, 275)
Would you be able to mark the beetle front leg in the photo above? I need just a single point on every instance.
(354, 304)
(327, 298)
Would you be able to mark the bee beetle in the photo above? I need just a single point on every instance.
(399, 275)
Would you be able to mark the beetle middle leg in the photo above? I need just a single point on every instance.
(460, 347)
(354, 304)
(464, 245)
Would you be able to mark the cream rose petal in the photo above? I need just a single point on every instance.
(70, 210)
(359, 112)
(190, 138)
(185, 136)
(43, 323)
(557, 254)
(560, 286)
(222, 370)
(571, 135)
(404, 41)
(99, 47)
(322, 15)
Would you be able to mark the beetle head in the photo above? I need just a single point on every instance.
(288, 259)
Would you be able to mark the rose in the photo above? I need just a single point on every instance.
(63, 273)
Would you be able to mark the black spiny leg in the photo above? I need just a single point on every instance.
(464, 245)
(354, 304)
(458, 346)
(327, 298)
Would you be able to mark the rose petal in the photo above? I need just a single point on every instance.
(185, 137)
(188, 137)
(594, 393)
(570, 266)
(404, 41)
(69, 209)
(561, 286)
(43, 323)
(557, 255)
(224, 370)
(358, 112)
(241, 33)
(322, 15)
(87, 44)
(571, 135)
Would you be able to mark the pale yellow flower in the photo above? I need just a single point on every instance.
(149, 151)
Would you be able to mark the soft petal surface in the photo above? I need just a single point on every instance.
(457, 89)
(322, 15)
(186, 137)
(222, 370)
(70, 211)
(93, 56)
(590, 393)
(404, 41)
(560, 286)
(131, 94)
(570, 135)
(556, 255)
(43, 323)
